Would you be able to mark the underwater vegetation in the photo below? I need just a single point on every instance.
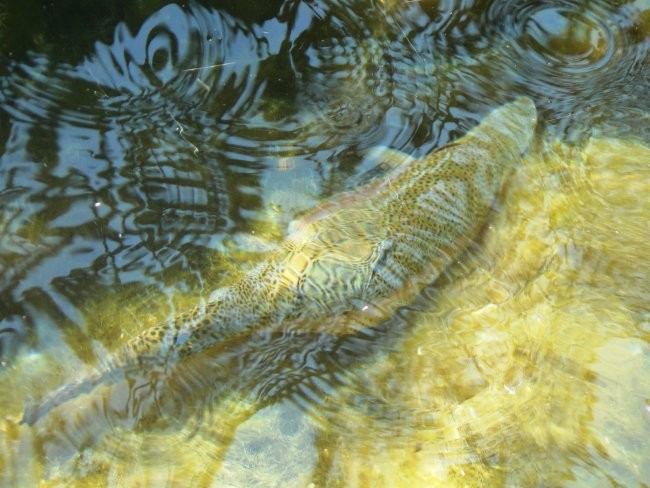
(154, 152)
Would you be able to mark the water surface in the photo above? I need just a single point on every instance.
(150, 153)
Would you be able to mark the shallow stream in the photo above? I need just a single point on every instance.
(152, 152)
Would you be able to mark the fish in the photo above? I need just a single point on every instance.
(348, 264)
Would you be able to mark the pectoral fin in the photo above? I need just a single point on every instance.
(385, 156)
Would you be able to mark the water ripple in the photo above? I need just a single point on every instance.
(144, 162)
(562, 51)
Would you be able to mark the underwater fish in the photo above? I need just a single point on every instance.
(350, 263)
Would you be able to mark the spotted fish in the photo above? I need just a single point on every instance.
(351, 262)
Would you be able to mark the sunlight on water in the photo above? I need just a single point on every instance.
(171, 153)
(529, 369)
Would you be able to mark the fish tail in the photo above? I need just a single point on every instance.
(188, 334)
(33, 413)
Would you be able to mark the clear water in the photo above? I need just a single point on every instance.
(151, 153)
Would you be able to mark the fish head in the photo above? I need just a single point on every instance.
(512, 124)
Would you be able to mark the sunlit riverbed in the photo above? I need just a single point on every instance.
(133, 184)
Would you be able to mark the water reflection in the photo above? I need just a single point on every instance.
(563, 50)
(143, 171)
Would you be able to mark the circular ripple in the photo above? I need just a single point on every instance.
(574, 60)
(561, 44)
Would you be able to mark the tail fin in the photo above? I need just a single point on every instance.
(65, 393)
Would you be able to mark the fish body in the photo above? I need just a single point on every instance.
(352, 261)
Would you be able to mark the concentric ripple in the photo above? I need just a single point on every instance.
(563, 50)
(563, 44)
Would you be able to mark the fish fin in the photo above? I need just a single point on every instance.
(391, 158)
(34, 412)
(445, 146)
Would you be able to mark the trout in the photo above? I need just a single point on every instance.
(351, 262)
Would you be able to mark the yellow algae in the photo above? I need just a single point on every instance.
(150, 457)
(528, 369)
